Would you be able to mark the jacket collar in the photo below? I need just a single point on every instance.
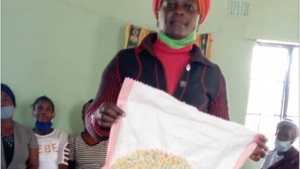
(196, 54)
(291, 153)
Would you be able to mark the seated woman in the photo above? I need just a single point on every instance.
(284, 156)
(86, 151)
(19, 147)
(53, 143)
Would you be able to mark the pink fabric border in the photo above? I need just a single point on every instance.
(114, 132)
(246, 153)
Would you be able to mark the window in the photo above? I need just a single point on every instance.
(274, 88)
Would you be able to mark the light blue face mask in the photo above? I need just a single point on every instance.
(282, 146)
(7, 112)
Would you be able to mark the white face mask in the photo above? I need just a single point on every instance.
(7, 112)
(282, 146)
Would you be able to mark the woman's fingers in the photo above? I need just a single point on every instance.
(261, 142)
(262, 145)
(105, 124)
(108, 113)
(255, 157)
(260, 150)
(119, 111)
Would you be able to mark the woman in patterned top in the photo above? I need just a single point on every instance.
(53, 143)
(86, 151)
(19, 147)
(170, 61)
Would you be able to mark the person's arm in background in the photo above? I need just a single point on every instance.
(33, 159)
(62, 166)
(104, 104)
(63, 152)
(72, 147)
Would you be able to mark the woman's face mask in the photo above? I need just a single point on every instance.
(284, 137)
(282, 146)
(7, 112)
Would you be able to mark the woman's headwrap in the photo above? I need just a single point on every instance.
(291, 125)
(203, 6)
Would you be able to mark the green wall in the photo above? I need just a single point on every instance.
(59, 48)
(56, 49)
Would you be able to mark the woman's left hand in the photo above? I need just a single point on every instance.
(260, 150)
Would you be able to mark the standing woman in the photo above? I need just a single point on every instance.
(19, 147)
(170, 61)
(53, 143)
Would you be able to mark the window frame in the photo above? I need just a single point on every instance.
(285, 90)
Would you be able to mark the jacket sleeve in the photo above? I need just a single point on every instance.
(219, 105)
(108, 91)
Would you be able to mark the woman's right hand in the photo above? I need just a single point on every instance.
(108, 114)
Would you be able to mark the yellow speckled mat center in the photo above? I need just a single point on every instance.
(151, 159)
